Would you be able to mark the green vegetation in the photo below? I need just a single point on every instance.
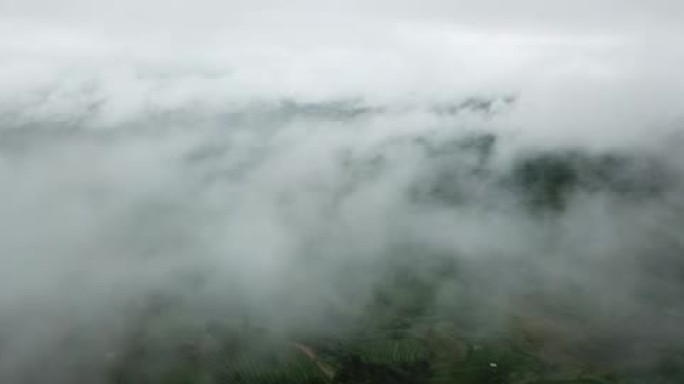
(405, 334)
(547, 180)
(400, 339)
(431, 358)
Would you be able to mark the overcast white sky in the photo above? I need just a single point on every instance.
(581, 16)
(597, 70)
(579, 61)
(314, 22)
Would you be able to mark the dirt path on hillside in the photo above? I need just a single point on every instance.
(313, 356)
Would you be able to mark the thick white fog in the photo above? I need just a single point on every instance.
(266, 157)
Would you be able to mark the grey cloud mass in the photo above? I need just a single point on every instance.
(270, 157)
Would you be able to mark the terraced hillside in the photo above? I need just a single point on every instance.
(400, 339)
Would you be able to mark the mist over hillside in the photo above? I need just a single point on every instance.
(361, 194)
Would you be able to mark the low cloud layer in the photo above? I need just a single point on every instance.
(270, 162)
